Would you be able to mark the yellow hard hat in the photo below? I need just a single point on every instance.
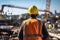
(33, 10)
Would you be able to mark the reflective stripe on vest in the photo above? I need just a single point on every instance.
(32, 35)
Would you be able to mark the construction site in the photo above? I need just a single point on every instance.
(10, 22)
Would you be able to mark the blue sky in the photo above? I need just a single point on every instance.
(41, 4)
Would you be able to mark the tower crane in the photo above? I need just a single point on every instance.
(47, 8)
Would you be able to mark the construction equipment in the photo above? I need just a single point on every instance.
(53, 25)
(47, 8)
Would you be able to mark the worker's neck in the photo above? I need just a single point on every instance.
(33, 17)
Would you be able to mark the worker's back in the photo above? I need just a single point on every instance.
(31, 28)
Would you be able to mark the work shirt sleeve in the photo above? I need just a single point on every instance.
(20, 33)
(45, 32)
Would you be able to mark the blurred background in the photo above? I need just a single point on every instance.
(13, 12)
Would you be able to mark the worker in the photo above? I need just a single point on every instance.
(33, 28)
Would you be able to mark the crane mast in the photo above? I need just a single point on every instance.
(47, 8)
(48, 5)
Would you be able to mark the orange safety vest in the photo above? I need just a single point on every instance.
(32, 29)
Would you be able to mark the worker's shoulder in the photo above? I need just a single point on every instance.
(28, 20)
(25, 21)
(39, 19)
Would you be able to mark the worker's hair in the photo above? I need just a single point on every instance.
(33, 16)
